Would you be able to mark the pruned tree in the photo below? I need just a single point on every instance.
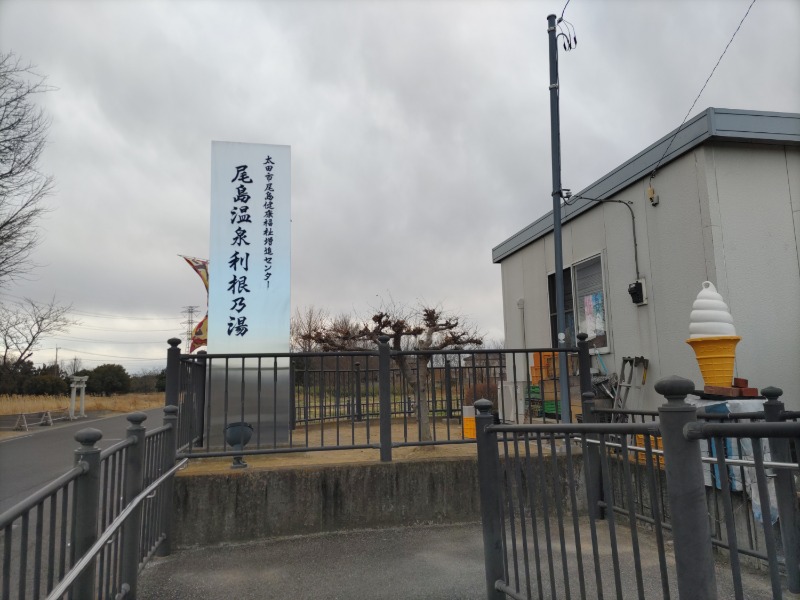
(23, 325)
(422, 328)
(23, 133)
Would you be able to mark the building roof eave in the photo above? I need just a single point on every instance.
(717, 123)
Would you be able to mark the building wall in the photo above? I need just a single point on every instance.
(706, 226)
(680, 259)
(754, 202)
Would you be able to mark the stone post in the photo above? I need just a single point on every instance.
(686, 492)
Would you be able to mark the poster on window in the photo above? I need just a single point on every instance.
(594, 315)
(249, 278)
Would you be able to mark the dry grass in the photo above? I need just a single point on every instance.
(215, 466)
(14, 405)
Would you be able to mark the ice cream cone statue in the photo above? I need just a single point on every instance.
(713, 337)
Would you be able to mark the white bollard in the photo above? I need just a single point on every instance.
(72, 401)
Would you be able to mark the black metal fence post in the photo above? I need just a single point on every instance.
(686, 492)
(172, 387)
(594, 473)
(584, 365)
(359, 416)
(133, 485)
(488, 465)
(292, 399)
(385, 401)
(86, 506)
(784, 491)
(448, 388)
(170, 445)
(200, 401)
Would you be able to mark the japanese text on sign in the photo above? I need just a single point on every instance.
(238, 263)
(269, 211)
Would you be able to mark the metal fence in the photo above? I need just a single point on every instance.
(750, 535)
(637, 509)
(88, 533)
(362, 399)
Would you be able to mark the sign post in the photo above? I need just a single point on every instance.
(249, 285)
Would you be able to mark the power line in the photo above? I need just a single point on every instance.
(121, 330)
(102, 360)
(107, 355)
(563, 10)
(95, 341)
(125, 317)
(17, 300)
(730, 41)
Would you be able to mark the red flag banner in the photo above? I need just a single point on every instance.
(200, 267)
(200, 335)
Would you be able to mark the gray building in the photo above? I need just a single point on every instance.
(726, 209)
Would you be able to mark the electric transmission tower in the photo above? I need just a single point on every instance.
(189, 312)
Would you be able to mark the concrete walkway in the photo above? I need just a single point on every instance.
(413, 563)
(443, 562)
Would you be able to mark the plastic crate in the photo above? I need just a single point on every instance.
(655, 444)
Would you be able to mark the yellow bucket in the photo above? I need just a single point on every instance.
(468, 422)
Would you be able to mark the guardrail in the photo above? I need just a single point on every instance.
(88, 533)
(583, 510)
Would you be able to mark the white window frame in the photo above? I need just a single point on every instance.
(577, 308)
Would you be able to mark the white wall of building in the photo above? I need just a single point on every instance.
(754, 195)
(728, 213)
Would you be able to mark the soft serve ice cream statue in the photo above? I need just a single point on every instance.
(713, 336)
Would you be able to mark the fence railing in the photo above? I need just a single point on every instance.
(587, 510)
(751, 541)
(88, 533)
(245, 404)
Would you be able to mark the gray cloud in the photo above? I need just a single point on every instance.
(419, 130)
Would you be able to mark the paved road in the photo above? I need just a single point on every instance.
(30, 461)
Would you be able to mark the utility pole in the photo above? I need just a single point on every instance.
(555, 145)
(189, 311)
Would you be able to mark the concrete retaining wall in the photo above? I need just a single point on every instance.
(249, 505)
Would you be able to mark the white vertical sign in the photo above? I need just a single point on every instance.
(250, 262)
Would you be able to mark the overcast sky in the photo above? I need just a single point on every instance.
(420, 137)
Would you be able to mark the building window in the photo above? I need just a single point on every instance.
(590, 302)
(569, 314)
(584, 298)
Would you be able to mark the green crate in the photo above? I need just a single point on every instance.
(550, 407)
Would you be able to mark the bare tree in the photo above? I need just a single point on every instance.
(302, 326)
(23, 132)
(422, 328)
(23, 326)
(70, 367)
(145, 381)
(494, 344)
